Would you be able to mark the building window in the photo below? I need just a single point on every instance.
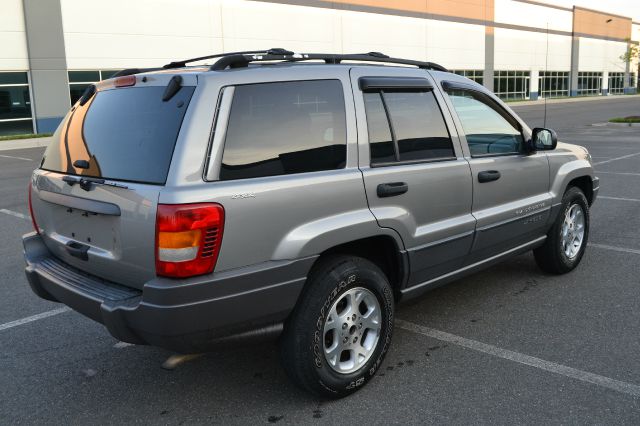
(632, 79)
(511, 84)
(616, 82)
(80, 80)
(475, 75)
(589, 83)
(15, 104)
(554, 84)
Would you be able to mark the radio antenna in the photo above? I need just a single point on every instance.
(546, 76)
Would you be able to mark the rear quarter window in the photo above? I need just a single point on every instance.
(285, 128)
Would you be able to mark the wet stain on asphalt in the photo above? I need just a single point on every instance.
(275, 419)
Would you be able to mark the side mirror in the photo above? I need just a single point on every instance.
(543, 139)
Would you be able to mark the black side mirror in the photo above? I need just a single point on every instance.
(543, 140)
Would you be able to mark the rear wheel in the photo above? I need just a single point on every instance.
(341, 328)
(567, 239)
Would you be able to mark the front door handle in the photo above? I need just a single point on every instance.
(488, 176)
(391, 189)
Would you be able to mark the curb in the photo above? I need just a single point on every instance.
(623, 124)
(574, 99)
(25, 143)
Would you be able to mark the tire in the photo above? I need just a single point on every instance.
(352, 286)
(552, 257)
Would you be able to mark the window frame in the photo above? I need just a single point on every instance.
(31, 116)
(408, 88)
(220, 126)
(503, 112)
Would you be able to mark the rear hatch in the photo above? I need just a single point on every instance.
(94, 197)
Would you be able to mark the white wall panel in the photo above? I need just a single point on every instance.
(531, 15)
(124, 33)
(455, 45)
(601, 55)
(13, 42)
(391, 35)
(524, 50)
(259, 25)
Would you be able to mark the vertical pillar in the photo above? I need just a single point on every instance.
(534, 90)
(47, 62)
(489, 57)
(575, 59)
(628, 85)
(605, 83)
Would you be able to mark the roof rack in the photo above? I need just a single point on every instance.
(273, 51)
(240, 60)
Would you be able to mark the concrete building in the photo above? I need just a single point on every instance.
(50, 50)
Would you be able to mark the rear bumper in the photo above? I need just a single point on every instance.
(181, 315)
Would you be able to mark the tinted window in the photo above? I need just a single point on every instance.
(418, 127)
(488, 128)
(380, 140)
(284, 128)
(127, 134)
(14, 102)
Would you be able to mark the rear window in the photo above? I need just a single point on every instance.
(125, 134)
(285, 128)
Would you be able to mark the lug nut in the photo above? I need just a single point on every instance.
(360, 325)
(353, 317)
(355, 339)
(345, 340)
(344, 326)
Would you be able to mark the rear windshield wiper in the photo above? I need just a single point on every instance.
(87, 182)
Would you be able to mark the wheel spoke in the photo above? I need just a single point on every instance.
(348, 323)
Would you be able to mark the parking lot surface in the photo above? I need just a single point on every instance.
(506, 345)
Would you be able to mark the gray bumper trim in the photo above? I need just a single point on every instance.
(168, 312)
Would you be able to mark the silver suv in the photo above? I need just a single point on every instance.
(296, 194)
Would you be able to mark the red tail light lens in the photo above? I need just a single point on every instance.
(188, 238)
(33, 217)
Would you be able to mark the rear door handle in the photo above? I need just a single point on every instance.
(488, 176)
(392, 188)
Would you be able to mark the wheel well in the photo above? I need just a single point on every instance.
(382, 251)
(586, 186)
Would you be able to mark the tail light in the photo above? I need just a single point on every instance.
(33, 217)
(188, 238)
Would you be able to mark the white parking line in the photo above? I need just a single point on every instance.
(614, 248)
(618, 173)
(16, 214)
(33, 318)
(520, 358)
(619, 198)
(16, 158)
(616, 159)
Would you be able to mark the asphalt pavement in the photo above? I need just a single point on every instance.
(509, 345)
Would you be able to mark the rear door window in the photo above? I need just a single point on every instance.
(284, 128)
(406, 126)
(124, 134)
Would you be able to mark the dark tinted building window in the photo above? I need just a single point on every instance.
(418, 126)
(285, 128)
(488, 128)
(126, 134)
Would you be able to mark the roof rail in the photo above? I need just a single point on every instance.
(240, 60)
(272, 51)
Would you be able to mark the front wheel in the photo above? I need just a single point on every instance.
(567, 239)
(341, 328)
